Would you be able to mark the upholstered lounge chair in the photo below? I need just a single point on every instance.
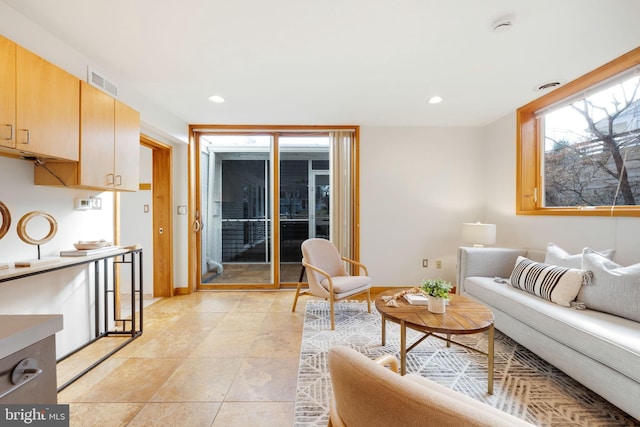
(367, 394)
(328, 277)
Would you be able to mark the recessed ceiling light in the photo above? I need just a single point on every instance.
(216, 98)
(435, 100)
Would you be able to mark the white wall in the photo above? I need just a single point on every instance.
(21, 196)
(418, 185)
(181, 226)
(64, 292)
(136, 225)
(569, 232)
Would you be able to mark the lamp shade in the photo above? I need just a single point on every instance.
(478, 234)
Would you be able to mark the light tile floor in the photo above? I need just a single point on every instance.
(222, 358)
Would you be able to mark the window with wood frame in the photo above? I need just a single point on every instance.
(578, 147)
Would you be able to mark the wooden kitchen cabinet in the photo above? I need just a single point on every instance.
(109, 141)
(46, 105)
(97, 118)
(7, 93)
(127, 148)
(109, 146)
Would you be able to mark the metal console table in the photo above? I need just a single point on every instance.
(104, 291)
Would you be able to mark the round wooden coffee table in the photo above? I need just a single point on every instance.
(463, 316)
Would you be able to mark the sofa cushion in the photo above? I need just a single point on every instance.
(556, 284)
(614, 289)
(555, 255)
(611, 340)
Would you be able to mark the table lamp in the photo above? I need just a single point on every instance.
(478, 234)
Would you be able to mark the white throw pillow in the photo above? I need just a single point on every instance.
(557, 256)
(551, 282)
(614, 289)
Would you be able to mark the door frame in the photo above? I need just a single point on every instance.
(162, 200)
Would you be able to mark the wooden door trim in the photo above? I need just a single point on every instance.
(162, 191)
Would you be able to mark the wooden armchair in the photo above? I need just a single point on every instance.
(328, 277)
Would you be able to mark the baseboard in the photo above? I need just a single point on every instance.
(181, 291)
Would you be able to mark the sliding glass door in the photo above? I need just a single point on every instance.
(261, 196)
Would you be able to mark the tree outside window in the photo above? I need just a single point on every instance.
(592, 149)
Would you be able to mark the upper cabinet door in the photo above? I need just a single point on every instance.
(127, 148)
(47, 108)
(96, 136)
(7, 93)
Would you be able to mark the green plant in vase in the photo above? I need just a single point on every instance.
(438, 291)
(438, 288)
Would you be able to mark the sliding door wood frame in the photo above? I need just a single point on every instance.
(194, 209)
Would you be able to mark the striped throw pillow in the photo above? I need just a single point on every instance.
(559, 285)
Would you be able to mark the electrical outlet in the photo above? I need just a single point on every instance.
(425, 263)
(438, 263)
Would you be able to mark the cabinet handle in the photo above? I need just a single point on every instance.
(26, 131)
(118, 181)
(196, 226)
(10, 126)
(24, 372)
(110, 179)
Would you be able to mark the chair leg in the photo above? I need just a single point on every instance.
(369, 300)
(295, 300)
(333, 317)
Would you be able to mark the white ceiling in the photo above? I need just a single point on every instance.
(362, 62)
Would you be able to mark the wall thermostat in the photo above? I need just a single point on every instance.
(82, 204)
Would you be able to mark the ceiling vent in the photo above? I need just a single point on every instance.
(98, 80)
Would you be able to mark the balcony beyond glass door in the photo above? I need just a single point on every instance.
(236, 211)
(304, 198)
(237, 236)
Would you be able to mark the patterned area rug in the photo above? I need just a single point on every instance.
(524, 386)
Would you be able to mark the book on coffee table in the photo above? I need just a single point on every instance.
(416, 299)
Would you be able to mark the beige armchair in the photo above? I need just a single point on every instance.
(367, 394)
(328, 277)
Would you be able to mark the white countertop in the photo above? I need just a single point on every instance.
(62, 262)
(18, 331)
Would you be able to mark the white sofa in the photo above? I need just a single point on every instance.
(599, 350)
